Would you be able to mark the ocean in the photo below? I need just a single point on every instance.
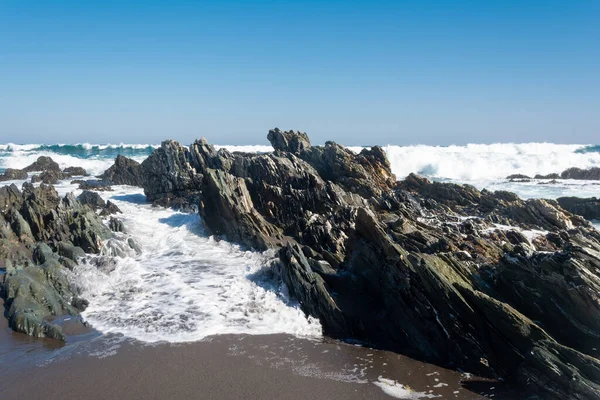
(184, 286)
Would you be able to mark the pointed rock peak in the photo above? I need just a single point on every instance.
(290, 141)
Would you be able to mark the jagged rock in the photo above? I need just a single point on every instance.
(124, 171)
(92, 199)
(109, 209)
(74, 171)
(43, 163)
(442, 272)
(578, 173)
(34, 223)
(9, 195)
(167, 172)
(13, 174)
(49, 177)
(588, 208)
(292, 142)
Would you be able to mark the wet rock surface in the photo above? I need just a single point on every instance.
(42, 237)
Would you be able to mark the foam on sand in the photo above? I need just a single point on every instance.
(399, 391)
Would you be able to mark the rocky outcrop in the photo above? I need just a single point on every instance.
(49, 177)
(41, 238)
(478, 280)
(588, 208)
(571, 173)
(549, 176)
(13, 174)
(43, 163)
(584, 174)
(50, 172)
(124, 171)
(70, 172)
(92, 199)
(292, 142)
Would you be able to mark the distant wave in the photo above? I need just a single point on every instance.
(589, 149)
(475, 162)
(469, 163)
(83, 150)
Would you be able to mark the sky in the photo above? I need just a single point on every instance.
(356, 72)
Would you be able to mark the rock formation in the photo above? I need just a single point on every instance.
(478, 280)
(41, 237)
(588, 208)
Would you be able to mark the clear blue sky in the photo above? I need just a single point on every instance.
(357, 72)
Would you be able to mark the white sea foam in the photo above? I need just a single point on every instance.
(94, 166)
(186, 286)
(399, 391)
(494, 161)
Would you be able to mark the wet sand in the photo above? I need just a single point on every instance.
(223, 367)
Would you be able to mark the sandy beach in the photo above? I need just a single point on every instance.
(223, 367)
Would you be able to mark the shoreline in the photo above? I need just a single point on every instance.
(224, 367)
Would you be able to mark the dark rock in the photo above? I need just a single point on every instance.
(290, 141)
(92, 199)
(124, 171)
(13, 174)
(43, 163)
(438, 271)
(80, 304)
(49, 177)
(109, 209)
(93, 184)
(168, 172)
(584, 174)
(74, 171)
(517, 176)
(588, 208)
(549, 176)
(116, 225)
